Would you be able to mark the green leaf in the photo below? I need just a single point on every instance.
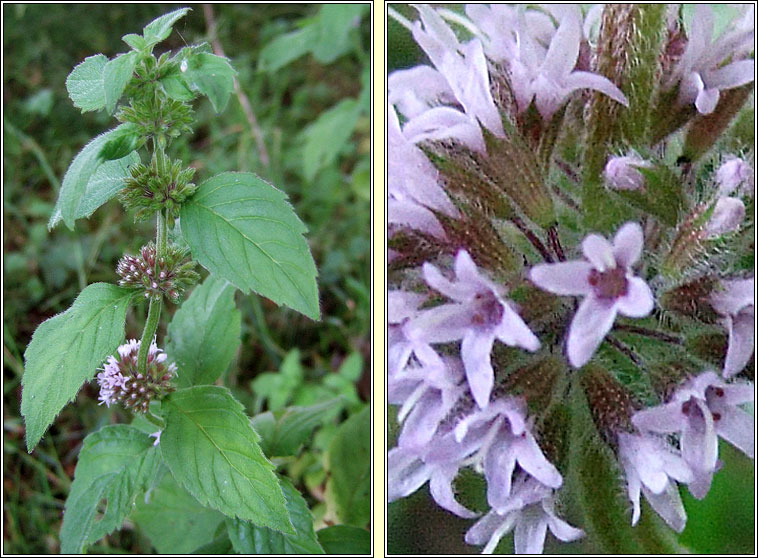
(175, 522)
(241, 228)
(123, 141)
(160, 28)
(76, 186)
(284, 432)
(116, 463)
(278, 387)
(66, 350)
(286, 48)
(335, 23)
(85, 83)
(204, 334)
(213, 452)
(344, 539)
(248, 538)
(219, 545)
(211, 75)
(176, 88)
(349, 485)
(116, 75)
(137, 42)
(327, 136)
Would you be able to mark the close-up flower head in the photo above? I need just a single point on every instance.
(571, 273)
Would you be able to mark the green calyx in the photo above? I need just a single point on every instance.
(148, 190)
(157, 116)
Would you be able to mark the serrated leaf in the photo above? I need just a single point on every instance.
(117, 463)
(213, 453)
(85, 83)
(211, 75)
(349, 485)
(160, 28)
(76, 182)
(278, 387)
(327, 136)
(344, 539)
(174, 521)
(248, 538)
(283, 433)
(204, 334)
(286, 48)
(116, 75)
(66, 350)
(137, 42)
(241, 228)
(335, 23)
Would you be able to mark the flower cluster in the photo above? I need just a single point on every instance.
(167, 276)
(150, 189)
(120, 382)
(545, 295)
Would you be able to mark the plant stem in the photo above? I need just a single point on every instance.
(154, 311)
(155, 420)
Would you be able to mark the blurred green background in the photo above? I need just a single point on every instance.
(310, 111)
(722, 523)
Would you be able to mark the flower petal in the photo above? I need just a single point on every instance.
(732, 75)
(669, 506)
(662, 419)
(599, 251)
(736, 427)
(706, 100)
(564, 278)
(638, 300)
(457, 290)
(441, 488)
(475, 353)
(627, 244)
(529, 535)
(588, 328)
(514, 332)
(741, 343)
(499, 464)
(534, 462)
(596, 82)
(562, 530)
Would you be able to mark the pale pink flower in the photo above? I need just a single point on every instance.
(651, 466)
(477, 316)
(735, 175)
(708, 67)
(606, 281)
(548, 76)
(529, 512)
(735, 300)
(701, 410)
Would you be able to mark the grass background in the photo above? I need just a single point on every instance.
(44, 271)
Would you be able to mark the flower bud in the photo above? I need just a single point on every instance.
(735, 175)
(728, 215)
(621, 173)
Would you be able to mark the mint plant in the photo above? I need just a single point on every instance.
(191, 445)
(571, 245)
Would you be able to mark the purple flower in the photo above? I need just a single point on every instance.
(412, 185)
(500, 437)
(650, 465)
(736, 302)
(478, 315)
(701, 410)
(548, 76)
(728, 215)
(621, 173)
(708, 67)
(407, 471)
(529, 512)
(608, 286)
(426, 394)
(737, 175)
